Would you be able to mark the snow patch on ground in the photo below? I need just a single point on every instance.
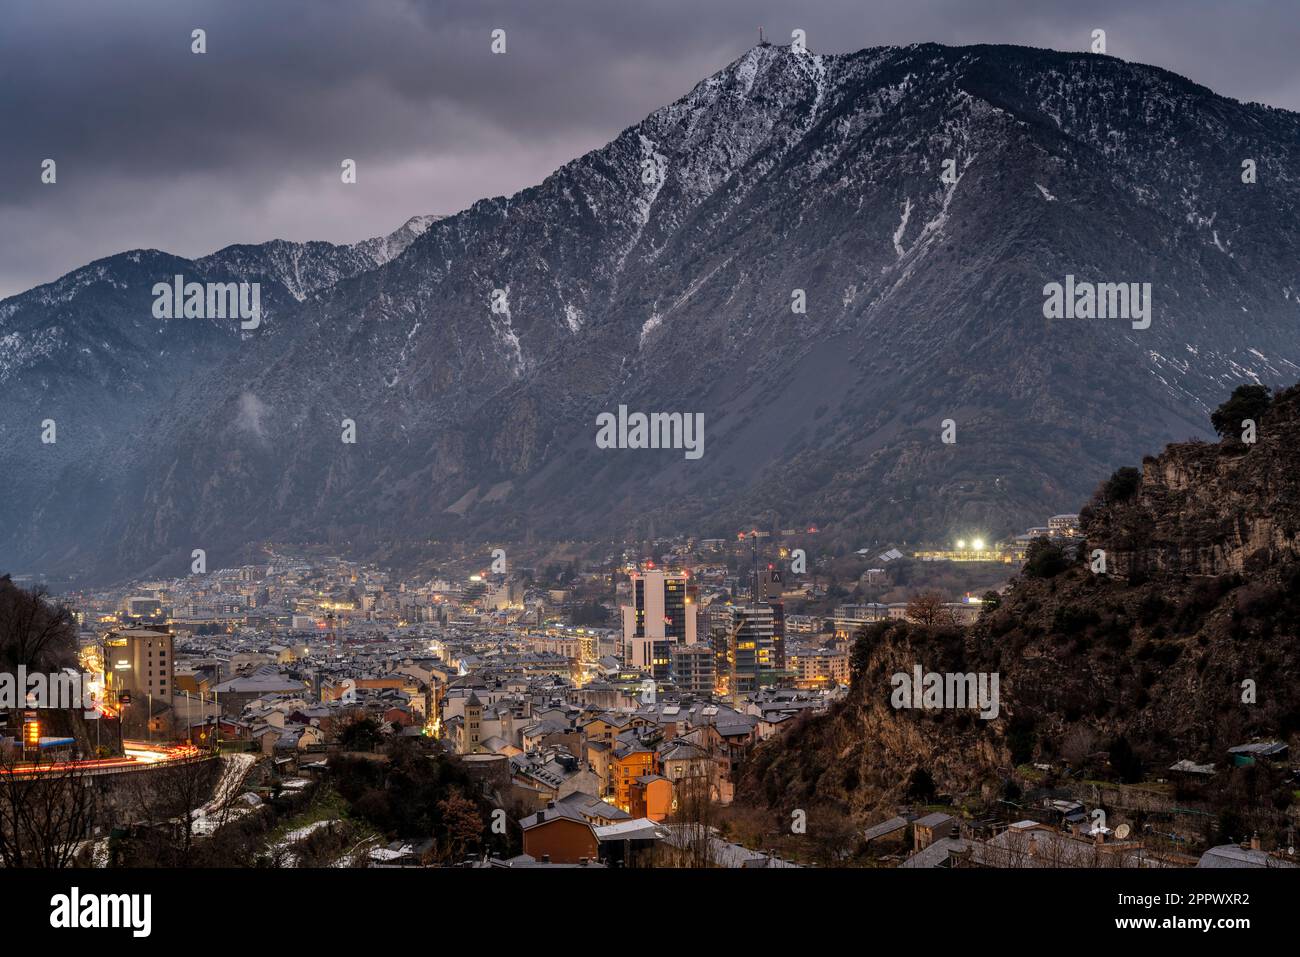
(649, 154)
(280, 848)
(572, 317)
(234, 770)
(902, 228)
(503, 328)
(649, 326)
(657, 319)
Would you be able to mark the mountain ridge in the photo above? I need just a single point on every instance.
(782, 171)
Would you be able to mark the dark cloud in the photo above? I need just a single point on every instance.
(157, 147)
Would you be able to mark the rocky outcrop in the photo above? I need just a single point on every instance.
(1210, 509)
(1185, 646)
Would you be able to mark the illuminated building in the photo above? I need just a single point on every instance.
(850, 619)
(750, 652)
(142, 606)
(138, 661)
(627, 763)
(662, 614)
(820, 668)
(471, 736)
(1063, 526)
(973, 551)
(768, 589)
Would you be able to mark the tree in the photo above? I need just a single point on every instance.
(174, 792)
(1121, 486)
(34, 633)
(360, 733)
(928, 609)
(868, 637)
(44, 817)
(920, 786)
(1124, 762)
(590, 613)
(1021, 738)
(463, 825)
(1078, 745)
(1044, 559)
(695, 806)
(834, 835)
(1246, 402)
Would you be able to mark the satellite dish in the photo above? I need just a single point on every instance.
(1122, 832)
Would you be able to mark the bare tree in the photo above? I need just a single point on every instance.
(173, 793)
(44, 815)
(695, 804)
(1078, 744)
(928, 609)
(34, 633)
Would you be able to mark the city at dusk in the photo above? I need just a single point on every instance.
(611, 441)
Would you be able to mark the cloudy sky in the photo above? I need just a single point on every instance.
(158, 147)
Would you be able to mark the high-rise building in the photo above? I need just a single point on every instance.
(750, 653)
(694, 668)
(138, 661)
(768, 590)
(778, 635)
(662, 614)
(768, 585)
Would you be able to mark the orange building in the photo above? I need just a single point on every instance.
(652, 797)
(627, 763)
(560, 835)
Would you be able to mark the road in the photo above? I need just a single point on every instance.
(139, 754)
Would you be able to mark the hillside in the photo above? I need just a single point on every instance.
(1202, 592)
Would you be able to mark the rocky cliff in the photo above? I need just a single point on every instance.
(1187, 644)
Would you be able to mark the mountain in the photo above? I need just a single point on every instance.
(658, 272)
(86, 352)
(1200, 595)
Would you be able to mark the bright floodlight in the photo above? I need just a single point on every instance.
(978, 544)
(961, 543)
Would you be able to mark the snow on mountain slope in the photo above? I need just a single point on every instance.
(658, 271)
